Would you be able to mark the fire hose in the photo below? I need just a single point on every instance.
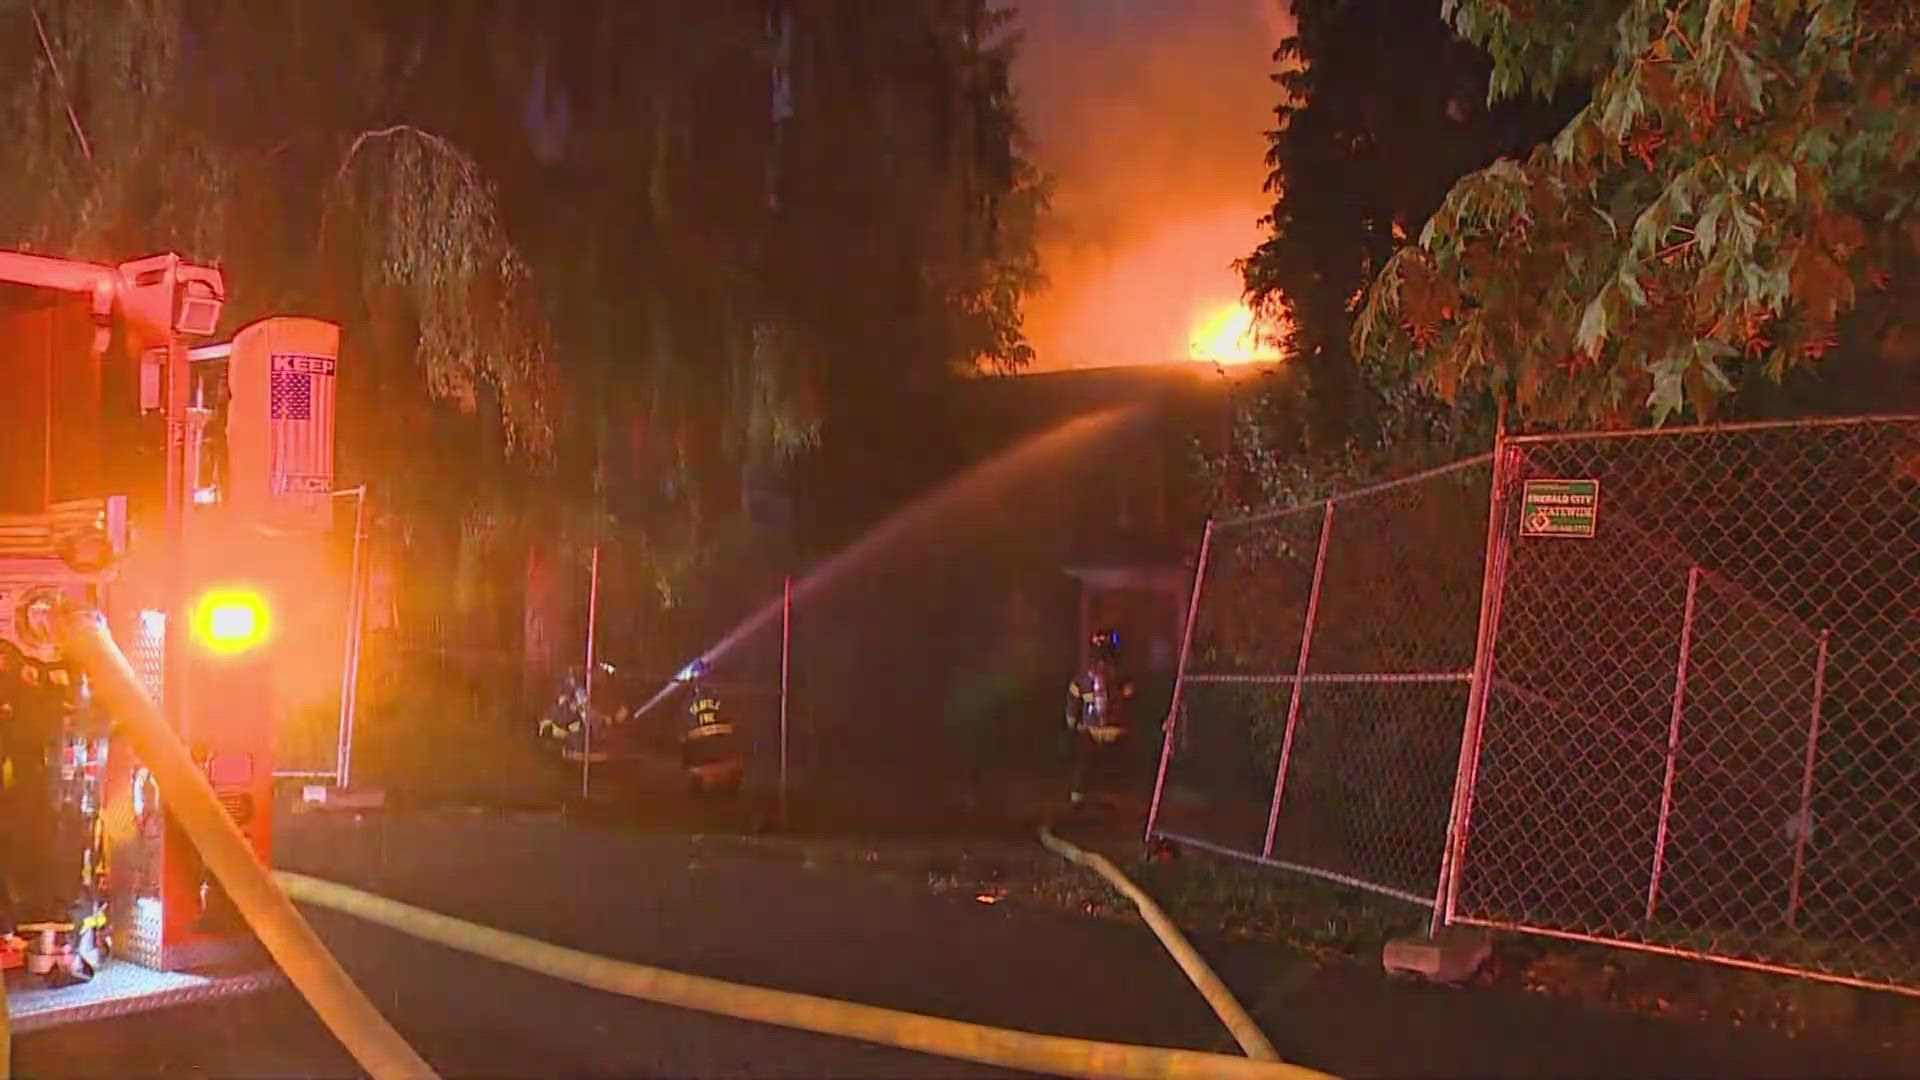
(1048, 1055)
(1245, 1031)
(266, 901)
(190, 800)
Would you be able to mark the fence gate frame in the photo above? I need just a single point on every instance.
(354, 617)
(1509, 461)
(1297, 680)
(1492, 584)
(1502, 531)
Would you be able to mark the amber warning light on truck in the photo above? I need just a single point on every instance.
(231, 620)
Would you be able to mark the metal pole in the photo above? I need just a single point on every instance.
(786, 653)
(1673, 741)
(1492, 578)
(1805, 820)
(356, 621)
(1179, 677)
(586, 723)
(1299, 676)
(173, 684)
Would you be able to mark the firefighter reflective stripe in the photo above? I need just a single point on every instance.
(1076, 703)
(64, 926)
(705, 730)
(1079, 693)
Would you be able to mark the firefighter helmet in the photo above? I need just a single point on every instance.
(1105, 643)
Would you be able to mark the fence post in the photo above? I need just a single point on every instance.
(1805, 820)
(356, 623)
(1179, 677)
(786, 647)
(1673, 740)
(1299, 677)
(586, 722)
(1492, 577)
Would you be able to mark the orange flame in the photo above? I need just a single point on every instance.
(1230, 336)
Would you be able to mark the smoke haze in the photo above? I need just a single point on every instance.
(1150, 116)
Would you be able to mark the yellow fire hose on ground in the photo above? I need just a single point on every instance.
(1245, 1031)
(379, 1049)
(1050, 1055)
(190, 800)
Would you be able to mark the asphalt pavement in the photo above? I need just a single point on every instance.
(703, 906)
(734, 910)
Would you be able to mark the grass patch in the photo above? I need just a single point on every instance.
(1211, 895)
(1225, 899)
(1244, 902)
(1704, 992)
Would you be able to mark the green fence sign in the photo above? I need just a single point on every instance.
(1559, 507)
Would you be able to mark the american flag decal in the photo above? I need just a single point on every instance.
(300, 405)
(291, 396)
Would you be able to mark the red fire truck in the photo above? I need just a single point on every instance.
(185, 493)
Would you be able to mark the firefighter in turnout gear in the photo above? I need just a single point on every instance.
(567, 717)
(1098, 721)
(709, 747)
(52, 852)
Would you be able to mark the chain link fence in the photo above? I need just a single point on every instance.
(323, 625)
(1690, 698)
(1699, 732)
(1324, 681)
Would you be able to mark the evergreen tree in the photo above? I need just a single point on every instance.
(1382, 109)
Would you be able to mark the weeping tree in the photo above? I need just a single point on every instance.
(221, 130)
(778, 215)
(135, 125)
(599, 264)
(97, 160)
(934, 233)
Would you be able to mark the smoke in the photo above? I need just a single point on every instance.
(1150, 114)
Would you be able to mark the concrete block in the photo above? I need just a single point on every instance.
(1452, 956)
(321, 797)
